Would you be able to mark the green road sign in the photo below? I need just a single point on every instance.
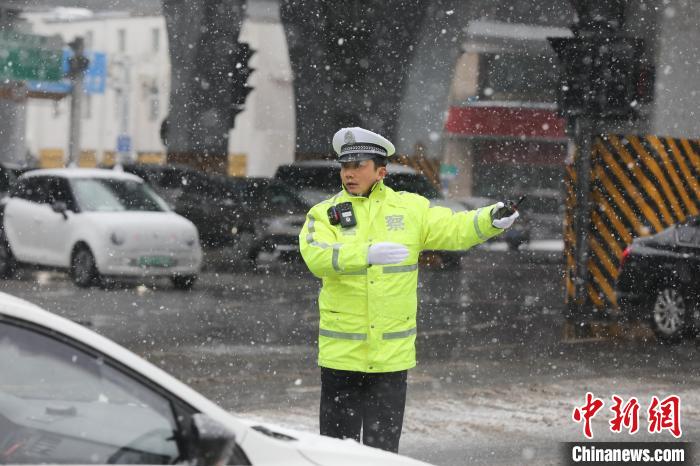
(448, 170)
(28, 56)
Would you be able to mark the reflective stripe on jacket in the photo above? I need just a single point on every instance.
(368, 313)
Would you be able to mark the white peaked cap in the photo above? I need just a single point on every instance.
(354, 144)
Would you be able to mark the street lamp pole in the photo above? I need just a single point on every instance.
(123, 139)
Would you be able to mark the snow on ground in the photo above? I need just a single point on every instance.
(537, 408)
(519, 418)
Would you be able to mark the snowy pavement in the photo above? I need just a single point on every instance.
(495, 383)
(523, 421)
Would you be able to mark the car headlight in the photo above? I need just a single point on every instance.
(117, 238)
(234, 230)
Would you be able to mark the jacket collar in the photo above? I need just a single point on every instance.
(377, 192)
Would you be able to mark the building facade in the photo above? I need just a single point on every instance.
(135, 98)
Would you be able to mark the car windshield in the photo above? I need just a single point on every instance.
(112, 195)
(217, 188)
(273, 199)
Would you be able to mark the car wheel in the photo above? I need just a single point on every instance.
(7, 260)
(669, 315)
(83, 269)
(184, 282)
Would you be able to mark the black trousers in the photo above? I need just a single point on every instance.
(371, 403)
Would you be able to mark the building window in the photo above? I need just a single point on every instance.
(155, 40)
(121, 40)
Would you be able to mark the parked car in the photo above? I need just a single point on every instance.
(280, 215)
(314, 180)
(658, 280)
(207, 200)
(167, 180)
(250, 214)
(544, 210)
(95, 223)
(8, 176)
(215, 204)
(71, 396)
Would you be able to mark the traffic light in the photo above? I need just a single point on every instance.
(622, 80)
(576, 58)
(608, 76)
(238, 76)
(78, 62)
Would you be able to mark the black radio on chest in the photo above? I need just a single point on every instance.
(342, 214)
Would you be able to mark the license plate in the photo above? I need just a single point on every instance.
(156, 261)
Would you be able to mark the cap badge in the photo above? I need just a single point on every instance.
(349, 138)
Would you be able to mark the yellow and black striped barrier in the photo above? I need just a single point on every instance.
(640, 185)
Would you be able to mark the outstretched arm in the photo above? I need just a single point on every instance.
(444, 229)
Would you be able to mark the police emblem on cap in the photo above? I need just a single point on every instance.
(349, 137)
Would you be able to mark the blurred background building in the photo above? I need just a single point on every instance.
(135, 96)
(469, 85)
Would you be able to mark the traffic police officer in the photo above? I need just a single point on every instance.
(364, 244)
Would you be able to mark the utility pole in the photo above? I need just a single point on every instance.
(77, 64)
(583, 129)
(603, 82)
(124, 145)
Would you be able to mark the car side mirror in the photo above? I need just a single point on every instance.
(60, 207)
(213, 444)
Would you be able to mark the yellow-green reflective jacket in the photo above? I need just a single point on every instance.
(368, 312)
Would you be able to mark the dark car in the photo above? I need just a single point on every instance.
(215, 204)
(249, 215)
(658, 280)
(543, 210)
(8, 176)
(279, 214)
(167, 180)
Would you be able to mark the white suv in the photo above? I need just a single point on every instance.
(96, 223)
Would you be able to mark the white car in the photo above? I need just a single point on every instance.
(96, 223)
(71, 396)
